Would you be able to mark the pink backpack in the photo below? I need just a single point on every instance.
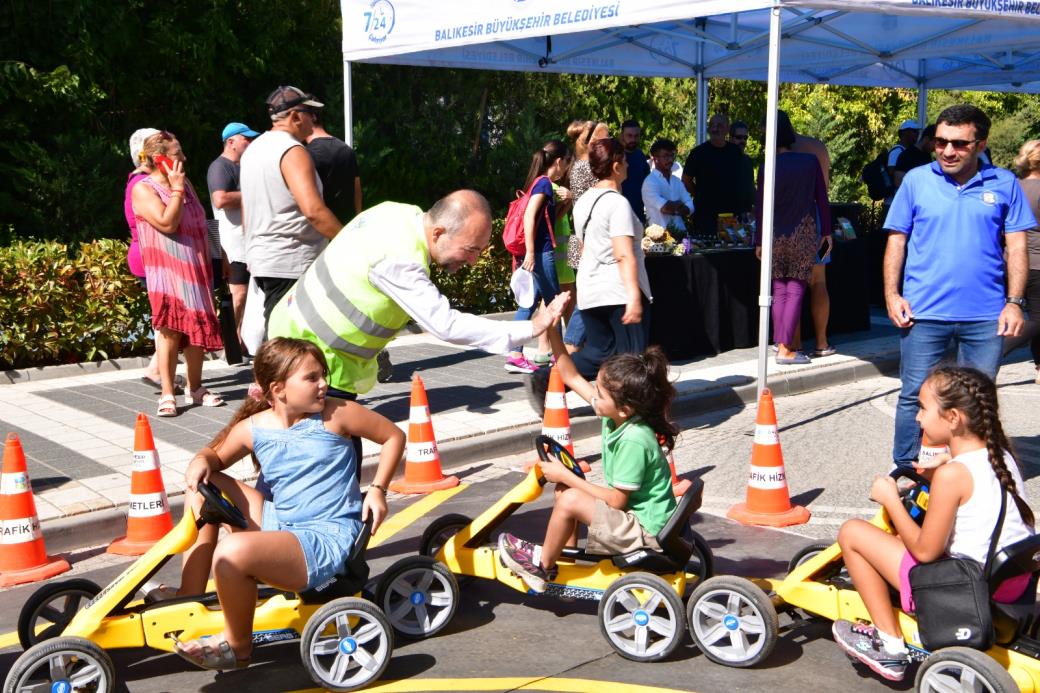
(513, 232)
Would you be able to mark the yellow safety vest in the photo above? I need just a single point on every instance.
(335, 306)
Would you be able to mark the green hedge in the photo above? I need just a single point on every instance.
(68, 304)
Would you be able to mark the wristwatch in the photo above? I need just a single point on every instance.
(1017, 300)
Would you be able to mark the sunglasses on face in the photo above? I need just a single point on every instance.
(941, 142)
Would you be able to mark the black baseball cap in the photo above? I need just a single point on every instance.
(285, 99)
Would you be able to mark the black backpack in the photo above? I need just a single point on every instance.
(875, 175)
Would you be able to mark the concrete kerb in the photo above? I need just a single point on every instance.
(83, 530)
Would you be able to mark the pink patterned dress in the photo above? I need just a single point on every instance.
(178, 273)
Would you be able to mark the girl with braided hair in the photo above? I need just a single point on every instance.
(632, 395)
(959, 409)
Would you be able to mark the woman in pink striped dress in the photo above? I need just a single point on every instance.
(171, 230)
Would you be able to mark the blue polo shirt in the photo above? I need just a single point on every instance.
(954, 261)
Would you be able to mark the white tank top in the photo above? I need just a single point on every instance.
(975, 521)
(280, 242)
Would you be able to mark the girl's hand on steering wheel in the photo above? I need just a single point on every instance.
(555, 471)
(884, 490)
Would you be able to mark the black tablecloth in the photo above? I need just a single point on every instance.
(708, 303)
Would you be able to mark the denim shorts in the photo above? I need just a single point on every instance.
(326, 544)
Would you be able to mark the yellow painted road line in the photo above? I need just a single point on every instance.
(398, 521)
(527, 683)
(8, 639)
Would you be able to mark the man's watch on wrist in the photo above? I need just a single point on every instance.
(1017, 300)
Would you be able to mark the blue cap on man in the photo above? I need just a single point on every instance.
(232, 129)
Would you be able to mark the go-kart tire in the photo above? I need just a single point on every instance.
(737, 608)
(419, 597)
(356, 654)
(702, 561)
(439, 531)
(806, 553)
(954, 668)
(77, 661)
(38, 608)
(629, 621)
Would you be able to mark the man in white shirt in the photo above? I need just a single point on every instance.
(664, 196)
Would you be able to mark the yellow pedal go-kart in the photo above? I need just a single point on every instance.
(817, 585)
(345, 641)
(639, 593)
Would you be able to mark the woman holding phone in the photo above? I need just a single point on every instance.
(800, 198)
(171, 230)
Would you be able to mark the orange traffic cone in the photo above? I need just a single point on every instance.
(930, 450)
(556, 422)
(23, 556)
(679, 486)
(148, 516)
(768, 502)
(422, 463)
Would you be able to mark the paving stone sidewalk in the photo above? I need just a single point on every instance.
(77, 432)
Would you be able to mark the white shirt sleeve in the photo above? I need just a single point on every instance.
(654, 195)
(684, 194)
(409, 286)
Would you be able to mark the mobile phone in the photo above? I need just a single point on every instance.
(165, 161)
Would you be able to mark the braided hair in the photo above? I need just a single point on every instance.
(973, 393)
(640, 382)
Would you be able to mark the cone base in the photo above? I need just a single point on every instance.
(55, 565)
(680, 487)
(124, 546)
(405, 486)
(796, 515)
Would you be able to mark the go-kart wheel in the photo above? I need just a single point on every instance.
(218, 508)
(963, 669)
(419, 596)
(702, 561)
(440, 531)
(732, 621)
(807, 553)
(641, 617)
(62, 664)
(542, 442)
(346, 644)
(50, 608)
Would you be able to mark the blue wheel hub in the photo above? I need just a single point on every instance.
(417, 598)
(731, 622)
(348, 646)
(641, 618)
(62, 686)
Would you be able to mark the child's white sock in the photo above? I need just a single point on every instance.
(536, 556)
(891, 643)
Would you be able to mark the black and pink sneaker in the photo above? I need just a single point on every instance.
(862, 642)
(518, 555)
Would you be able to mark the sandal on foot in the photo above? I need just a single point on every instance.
(167, 406)
(217, 654)
(204, 397)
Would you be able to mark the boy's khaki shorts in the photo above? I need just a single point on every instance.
(614, 531)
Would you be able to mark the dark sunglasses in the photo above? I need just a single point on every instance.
(941, 142)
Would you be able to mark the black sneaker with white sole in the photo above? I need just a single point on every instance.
(862, 642)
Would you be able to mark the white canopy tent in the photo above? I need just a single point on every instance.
(989, 45)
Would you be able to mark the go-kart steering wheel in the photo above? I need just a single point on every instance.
(915, 498)
(217, 509)
(561, 453)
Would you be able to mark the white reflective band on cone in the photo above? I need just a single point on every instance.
(560, 435)
(421, 452)
(14, 484)
(144, 461)
(767, 477)
(765, 434)
(418, 414)
(20, 531)
(555, 400)
(148, 504)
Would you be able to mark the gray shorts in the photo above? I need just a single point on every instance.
(614, 532)
(326, 544)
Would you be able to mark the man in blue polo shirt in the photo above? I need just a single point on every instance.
(947, 221)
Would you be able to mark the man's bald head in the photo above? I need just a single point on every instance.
(458, 228)
(452, 211)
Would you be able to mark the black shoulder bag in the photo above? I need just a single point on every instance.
(952, 598)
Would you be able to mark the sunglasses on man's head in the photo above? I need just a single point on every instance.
(941, 142)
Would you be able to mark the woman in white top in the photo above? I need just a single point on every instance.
(613, 289)
(959, 409)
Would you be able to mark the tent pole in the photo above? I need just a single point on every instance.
(765, 298)
(348, 111)
(922, 94)
(702, 95)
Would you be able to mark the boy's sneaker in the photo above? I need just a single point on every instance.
(536, 386)
(519, 364)
(862, 642)
(543, 360)
(518, 555)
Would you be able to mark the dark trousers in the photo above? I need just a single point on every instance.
(264, 488)
(605, 336)
(1031, 330)
(274, 288)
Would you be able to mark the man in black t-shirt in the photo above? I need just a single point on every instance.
(918, 155)
(712, 174)
(338, 170)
